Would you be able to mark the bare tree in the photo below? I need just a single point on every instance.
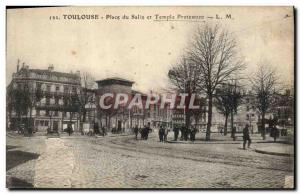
(264, 85)
(184, 77)
(214, 51)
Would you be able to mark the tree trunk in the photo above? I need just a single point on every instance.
(62, 121)
(50, 122)
(30, 126)
(225, 125)
(70, 117)
(232, 127)
(187, 119)
(130, 119)
(108, 124)
(209, 117)
(83, 115)
(263, 130)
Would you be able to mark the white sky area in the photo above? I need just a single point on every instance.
(142, 50)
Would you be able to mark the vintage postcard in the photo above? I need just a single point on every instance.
(136, 97)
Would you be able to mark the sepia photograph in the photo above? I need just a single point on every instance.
(150, 97)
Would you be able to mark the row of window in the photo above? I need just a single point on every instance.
(56, 100)
(57, 87)
(53, 113)
(250, 115)
(52, 77)
(42, 123)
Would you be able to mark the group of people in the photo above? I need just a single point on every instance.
(247, 139)
(163, 134)
(144, 132)
(186, 133)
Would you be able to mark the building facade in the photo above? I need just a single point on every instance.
(52, 97)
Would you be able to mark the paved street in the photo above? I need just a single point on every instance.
(123, 162)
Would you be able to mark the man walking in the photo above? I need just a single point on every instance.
(70, 130)
(176, 132)
(166, 135)
(161, 133)
(186, 133)
(136, 131)
(147, 130)
(246, 137)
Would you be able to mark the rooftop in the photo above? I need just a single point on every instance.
(50, 71)
(114, 80)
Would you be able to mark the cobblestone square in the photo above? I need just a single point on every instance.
(123, 162)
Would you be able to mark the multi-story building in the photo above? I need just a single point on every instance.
(53, 98)
(284, 109)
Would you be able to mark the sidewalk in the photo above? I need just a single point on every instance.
(109, 134)
(79, 135)
(278, 150)
(217, 138)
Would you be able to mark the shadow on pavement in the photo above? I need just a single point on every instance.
(15, 183)
(15, 158)
(8, 147)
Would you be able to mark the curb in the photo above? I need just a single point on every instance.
(119, 135)
(27, 137)
(273, 153)
(201, 142)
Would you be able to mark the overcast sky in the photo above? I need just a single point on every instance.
(140, 50)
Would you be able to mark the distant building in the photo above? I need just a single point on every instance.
(123, 119)
(54, 110)
(247, 113)
(284, 109)
(118, 119)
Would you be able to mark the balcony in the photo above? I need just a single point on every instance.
(58, 94)
(57, 107)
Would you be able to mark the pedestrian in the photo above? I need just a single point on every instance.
(70, 129)
(103, 131)
(193, 134)
(246, 137)
(136, 131)
(161, 133)
(275, 133)
(185, 133)
(182, 132)
(233, 132)
(141, 132)
(144, 132)
(176, 132)
(147, 130)
(96, 128)
(221, 131)
(166, 135)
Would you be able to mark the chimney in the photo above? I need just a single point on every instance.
(51, 67)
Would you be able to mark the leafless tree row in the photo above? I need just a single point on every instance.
(212, 61)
